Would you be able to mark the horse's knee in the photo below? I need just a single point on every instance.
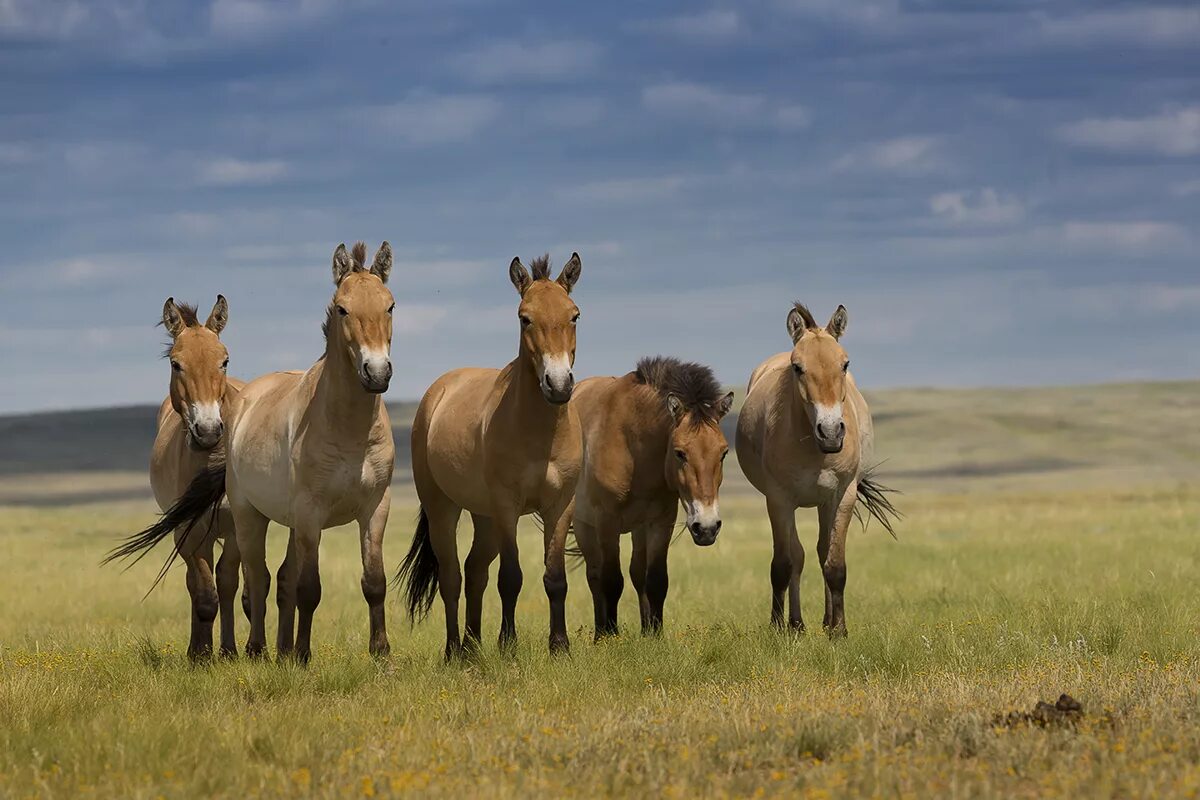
(781, 571)
(510, 578)
(308, 592)
(657, 582)
(556, 586)
(205, 604)
(835, 577)
(374, 589)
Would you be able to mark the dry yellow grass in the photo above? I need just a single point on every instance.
(988, 602)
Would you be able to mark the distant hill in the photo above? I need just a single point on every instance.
(927, 438)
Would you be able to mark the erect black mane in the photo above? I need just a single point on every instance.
(540, 267)
(694, 384)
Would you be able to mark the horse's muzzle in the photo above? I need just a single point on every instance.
(705, 535)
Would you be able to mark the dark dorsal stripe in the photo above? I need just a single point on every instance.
(694, 384)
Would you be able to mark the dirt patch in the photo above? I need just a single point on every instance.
(1066, 713)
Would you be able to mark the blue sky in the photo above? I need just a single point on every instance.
(1001, 193)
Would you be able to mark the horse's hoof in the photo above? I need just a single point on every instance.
(380, 649)
(837, 632)
(256, 652)
(228, 654)
(560, 645)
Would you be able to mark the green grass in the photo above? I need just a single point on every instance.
(988, 601)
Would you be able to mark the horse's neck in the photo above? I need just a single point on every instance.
(337, 394)
(525, 397)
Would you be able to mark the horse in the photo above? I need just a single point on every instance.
(804, 439)
(189, 439)
(500, 444)
(313, 450)
(652, 439)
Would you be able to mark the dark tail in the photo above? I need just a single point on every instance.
(418, 573)
(201, 498)
(874, 501)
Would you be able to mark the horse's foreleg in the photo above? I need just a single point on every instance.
(484, 549)
(557, 522)
(374, 583)
(285, 600)
(251, 527)
(198, 557)
(658, 541)
(786, 565)
(831, 549)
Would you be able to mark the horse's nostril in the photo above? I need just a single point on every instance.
(717, 526)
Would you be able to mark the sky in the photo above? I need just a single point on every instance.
(1001, 192)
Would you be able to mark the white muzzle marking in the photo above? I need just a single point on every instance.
(706, 515)
(554, 372)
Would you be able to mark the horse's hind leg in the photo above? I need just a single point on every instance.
(308, 584)
(484, 549)
(443, 516)
(612, 583)
(201, 587)
(786, 565)
(229, 567)
(252, 542)
(831, 549)
(285, 600)
(589, 545)
(637, 573)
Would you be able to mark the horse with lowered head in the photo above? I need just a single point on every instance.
(651, 440)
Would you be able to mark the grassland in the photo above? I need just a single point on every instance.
(1045, 550)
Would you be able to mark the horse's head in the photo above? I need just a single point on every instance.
(695, 461)
(360, 316)
(819, 368)
(548, 317)
(198, 364)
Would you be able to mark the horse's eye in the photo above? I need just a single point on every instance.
(799, 370)
(846, 367)
(175, 366)
(525, 321)
(682, 456)
(575, 318)
(343, 311)
(225, 364)
(391, 308)
(724, 453)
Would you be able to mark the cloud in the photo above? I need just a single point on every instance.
(983, 207)
(723, 108)
(1147, 25)
(1186, 188)
(623, 190)
(15, 153)
(438, 119)
(903, 155)
(506, 62)
(1145, 235)
(1171, 133)
(238, 172)
(856, 13)
(713, 25)
(251, 18)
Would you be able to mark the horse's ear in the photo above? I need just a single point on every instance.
(837, 323)
(799, 320)
(172, 320)
(219, 316)
(342, 265)
(382, 266)
(570, 272)
(519, 276)
(675, 406)
(723, 405)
